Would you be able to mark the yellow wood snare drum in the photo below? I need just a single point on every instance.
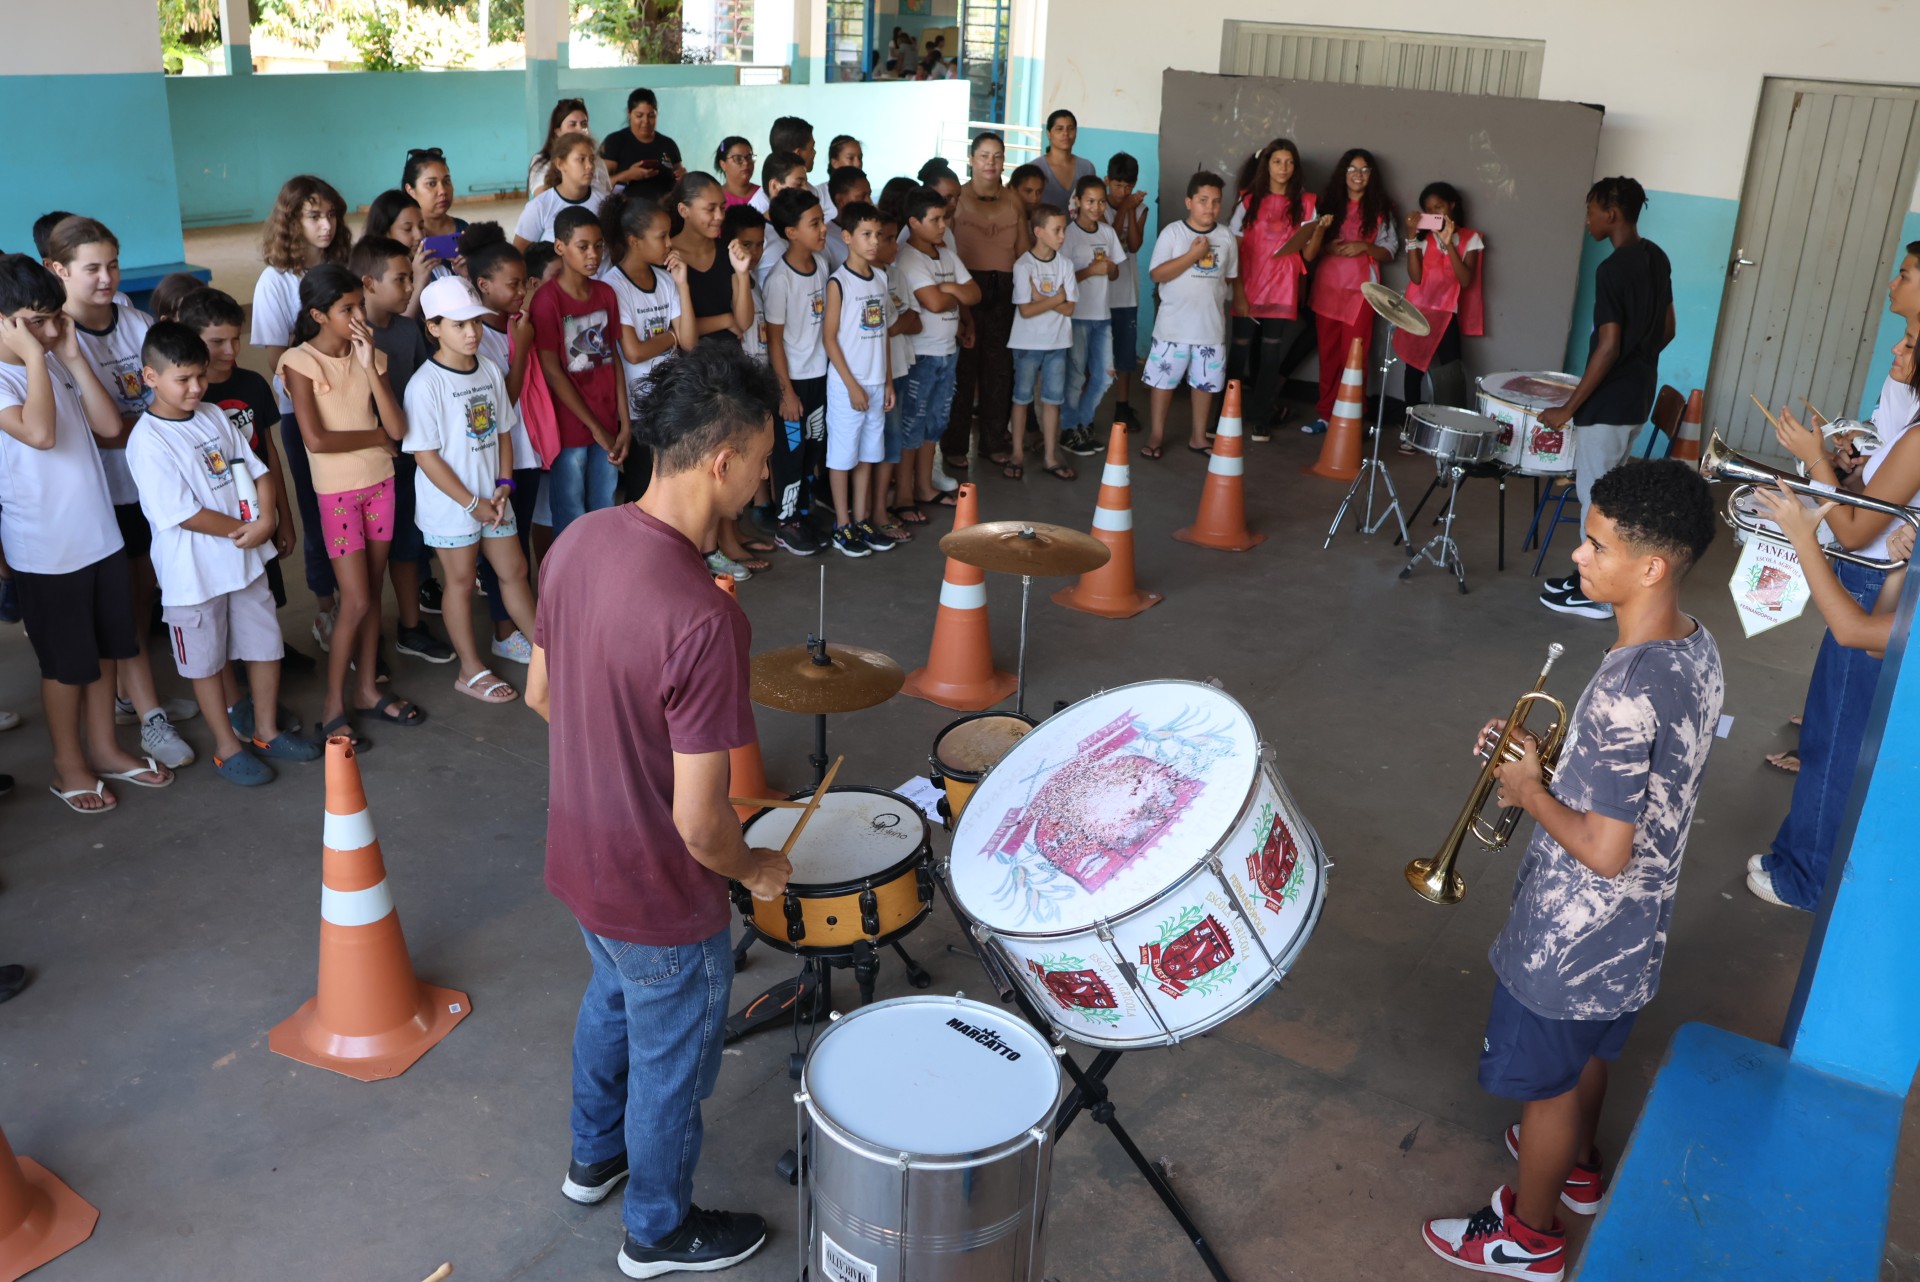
(860, 873)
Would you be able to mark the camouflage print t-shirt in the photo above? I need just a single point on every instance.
(1578, 945)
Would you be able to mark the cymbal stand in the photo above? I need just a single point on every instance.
(1372, 470)
(817, 646)
(1020, 666)
(1441, 550)
(1089, 1094)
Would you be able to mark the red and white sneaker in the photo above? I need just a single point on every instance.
(1491, 1240)
(1585, 1187)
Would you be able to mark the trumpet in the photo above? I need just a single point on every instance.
(1718, 462)
(1436, 879)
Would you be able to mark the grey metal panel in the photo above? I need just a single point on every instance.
(1397, 59)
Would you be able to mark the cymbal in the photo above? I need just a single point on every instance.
(1027, 548)
(1395, 309)
(851, 679)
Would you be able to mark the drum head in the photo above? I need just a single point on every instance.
(932, 1076)
(969, 747)
(1449, 416)
(1103, 806)
(856, 832)
(1533, 390)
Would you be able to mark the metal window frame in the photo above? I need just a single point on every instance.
(1378, 56)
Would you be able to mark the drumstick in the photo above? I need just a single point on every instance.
(1814, 411)
(813, 804)
(766, 803)
(1763, 409)
(440, 1274)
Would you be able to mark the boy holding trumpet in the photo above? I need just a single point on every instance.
(1581, 949)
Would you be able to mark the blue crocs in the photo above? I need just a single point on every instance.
(287, 746)
(244, 769)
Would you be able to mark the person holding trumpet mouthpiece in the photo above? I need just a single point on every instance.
(1793, 871)
(1581, 949)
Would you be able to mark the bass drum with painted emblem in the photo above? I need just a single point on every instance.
(1140, 866)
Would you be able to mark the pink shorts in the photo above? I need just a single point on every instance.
(354, 518)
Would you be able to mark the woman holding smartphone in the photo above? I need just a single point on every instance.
(1443, 268)
(641, 158)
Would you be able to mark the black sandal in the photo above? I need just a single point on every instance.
(1062, 471)
(1151, 451)
(341, 726)
(1012, 471)
(408, 713)
(909, 515)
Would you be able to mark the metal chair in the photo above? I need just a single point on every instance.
(1668, 408)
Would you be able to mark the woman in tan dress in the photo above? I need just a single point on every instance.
(989, 232)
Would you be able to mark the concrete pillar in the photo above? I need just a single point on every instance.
(808, 58)
(547, 41)
(107, 85)
(236, 36)
(1856, 1010)
(1026, 63)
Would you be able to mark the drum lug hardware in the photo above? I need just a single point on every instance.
(869, 912)
(796, 923)
(742, 898)
(923, 878)
(904, 1162)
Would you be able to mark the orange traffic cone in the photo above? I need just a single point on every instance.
(1222, 523)
(40, 1217)
(1340, 456)
(960, 672)
(1110, 590)
(371, 1018)
(1686, 442)
(746, 772)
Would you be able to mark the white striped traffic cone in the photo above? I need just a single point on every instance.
(959, 672)
(1340, 456)
(1686, 443)
(1110, 591)
(1222, 522)
(41, 1218)
(371, 1018)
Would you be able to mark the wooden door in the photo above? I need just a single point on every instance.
(1828, 178)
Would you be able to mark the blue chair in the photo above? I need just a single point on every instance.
(1668, 407)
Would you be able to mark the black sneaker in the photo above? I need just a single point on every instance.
(292, 660)
(589, 1185)
(705, 1242)
(422, 644)
(1123, 413)
(6, 784)
(796, 538)
(1080, 441)
(429, 595)
(12, 980)
(871, 535)
(1560, 587)
(847, 542)
(1575, 603)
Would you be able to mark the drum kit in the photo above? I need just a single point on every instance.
(1130, 873)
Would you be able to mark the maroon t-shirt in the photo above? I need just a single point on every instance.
(582, 334)
(645, 658)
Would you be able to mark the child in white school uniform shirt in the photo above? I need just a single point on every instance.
(212, 540)
(1044, 296)
(1099, 261)
(859, 388)
(1194, 263)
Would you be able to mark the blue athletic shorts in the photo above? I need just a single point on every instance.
(1526, 1056)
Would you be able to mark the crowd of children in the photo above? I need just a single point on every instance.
(455, 396)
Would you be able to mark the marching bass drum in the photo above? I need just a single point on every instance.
(1140, 865)
(1514, 399)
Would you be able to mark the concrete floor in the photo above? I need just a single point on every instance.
(1309, 1136)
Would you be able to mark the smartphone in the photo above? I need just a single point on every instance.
(1431, 222)
(445, 248)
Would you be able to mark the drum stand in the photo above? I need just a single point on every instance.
(1441, 550)
(1372, 470)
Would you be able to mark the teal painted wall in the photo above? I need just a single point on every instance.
(1097, 145)
(233, 145)
(133, 192)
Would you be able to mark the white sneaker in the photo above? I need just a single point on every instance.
(941, 481)
(1757, 863)
(1575, 602)
(515, 649)
(9, 720)
(722, 566)
(1761, 884)
(125, 714)
(163, 743)
(322, 630)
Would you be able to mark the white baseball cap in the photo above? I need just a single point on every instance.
(451, 298)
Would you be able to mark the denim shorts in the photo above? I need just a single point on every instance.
(1049, 367)
(1526, 1056)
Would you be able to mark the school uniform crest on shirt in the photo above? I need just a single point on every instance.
(214, 459)
(132, 390)
(817, 306)
(480, 423)
(873, 315)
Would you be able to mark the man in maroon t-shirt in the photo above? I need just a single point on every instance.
(640, 663)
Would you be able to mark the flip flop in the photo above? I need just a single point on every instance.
(130, 776)
(955, 465)
(1151, 451)
(99, 790)
(341, 726)
(1788, 761)
(1012, 471)
(397, 711)
(909, 515)
(1200, 449)
(474, 688)
(945, 500)
(757, 545)
(1062, 471)
(1000, 458)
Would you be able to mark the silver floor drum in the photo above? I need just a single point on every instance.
(925, 1146)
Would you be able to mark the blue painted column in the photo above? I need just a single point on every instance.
(1856, 1010)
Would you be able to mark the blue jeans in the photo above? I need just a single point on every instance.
(1831, 732)
(646, 1051)
(894, 418)
(1048, 368)
(1126, 339)
(583, 478)
(929, 396)
(1088, 362)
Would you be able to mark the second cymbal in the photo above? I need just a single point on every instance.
(1026, 548)
(1395, 309)
(852, 678)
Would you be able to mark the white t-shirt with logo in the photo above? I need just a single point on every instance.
(1193, 305)
(798, 302)
(465, 417)
(1082, 247)
(536, 220)
(55, 514)
(276, 306)
(114, 354)
(649, 313)
(863, 323)
(939, 331)
(185, 466)
(899, 303)
(1035, 279)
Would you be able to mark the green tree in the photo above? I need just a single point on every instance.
(186, 28)
(647, 30)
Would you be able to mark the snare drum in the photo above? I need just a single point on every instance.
(966, 749)
(860, 873)
(925, 1145)
(1452, 436)
(1140, 865)
(1514, 401)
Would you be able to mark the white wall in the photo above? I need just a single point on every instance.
(1680, 78)
(73, 37)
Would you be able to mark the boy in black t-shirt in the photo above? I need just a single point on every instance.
(1633, 322)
